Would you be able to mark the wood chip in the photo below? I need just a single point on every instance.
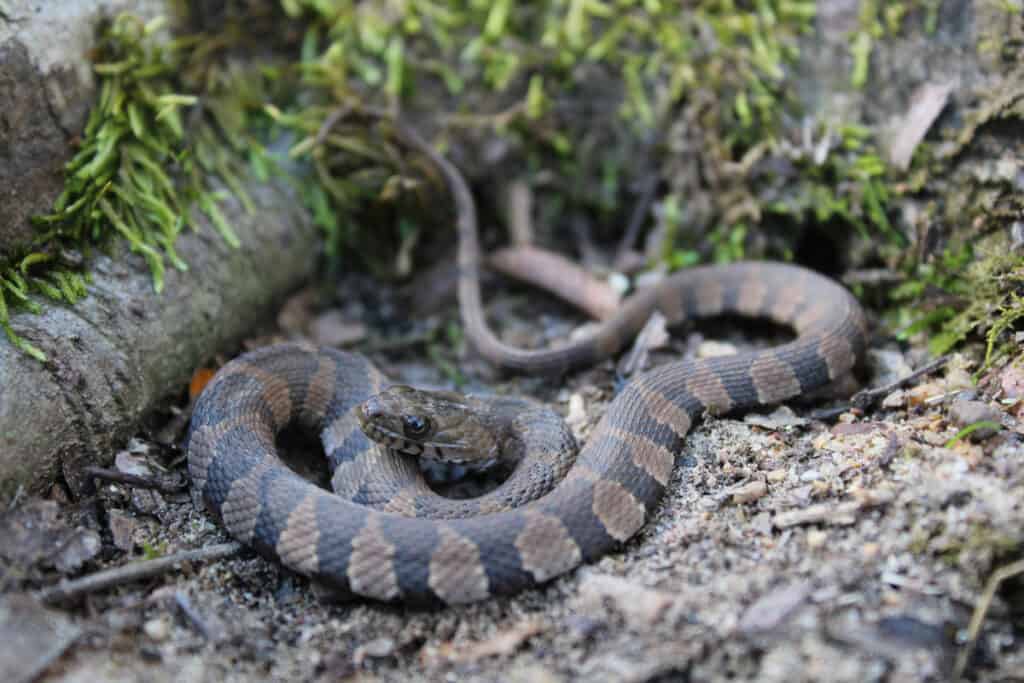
(843, 514)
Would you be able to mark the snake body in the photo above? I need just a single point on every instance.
(374, 539)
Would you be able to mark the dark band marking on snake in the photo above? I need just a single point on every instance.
(387, 536)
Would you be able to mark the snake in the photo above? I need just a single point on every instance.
(383, 534)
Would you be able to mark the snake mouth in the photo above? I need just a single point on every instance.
(444, 453)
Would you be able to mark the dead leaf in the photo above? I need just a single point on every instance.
(200, 378)
(925, 106)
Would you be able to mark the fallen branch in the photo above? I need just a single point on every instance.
(108, 578)
(865, 398)
(105, 474)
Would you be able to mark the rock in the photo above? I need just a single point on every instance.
(966, 413)
(810, 475)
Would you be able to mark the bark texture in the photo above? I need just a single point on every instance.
(116, 354)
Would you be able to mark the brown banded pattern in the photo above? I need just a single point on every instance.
(618, 477)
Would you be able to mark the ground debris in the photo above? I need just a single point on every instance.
(504, 642)
(841, 514)
(773, 608)
(779, 419)
(33, 637)
(639, 605)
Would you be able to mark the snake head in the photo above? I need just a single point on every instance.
(438, 425)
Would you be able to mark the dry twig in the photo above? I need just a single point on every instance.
(133, 572)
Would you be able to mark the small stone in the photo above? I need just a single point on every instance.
(777, 475)
(749, 492)
(378, 648)
(810, 475)
(870, 551)
(965, 413)
(897, 399)
(157, 629)
(714, 349)
(532, 673)
(816, 538)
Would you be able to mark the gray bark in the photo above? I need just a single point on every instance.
(116, 354)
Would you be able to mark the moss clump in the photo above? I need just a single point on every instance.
(137, 174)
(697, 98)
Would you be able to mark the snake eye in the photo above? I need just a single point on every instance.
(415, 427)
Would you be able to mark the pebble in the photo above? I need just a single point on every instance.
(714, 349)
(749, 492)
(965, 413)
(897, 399)
(157, 629)
(816, 538)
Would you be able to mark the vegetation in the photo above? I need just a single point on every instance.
(588, 95)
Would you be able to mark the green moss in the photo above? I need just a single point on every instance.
(136, 175)
(587, 94)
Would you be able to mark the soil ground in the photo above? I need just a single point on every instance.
(852, 548)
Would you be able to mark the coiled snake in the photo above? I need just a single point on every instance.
(373, 538)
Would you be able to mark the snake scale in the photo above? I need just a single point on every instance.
(373, 539)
